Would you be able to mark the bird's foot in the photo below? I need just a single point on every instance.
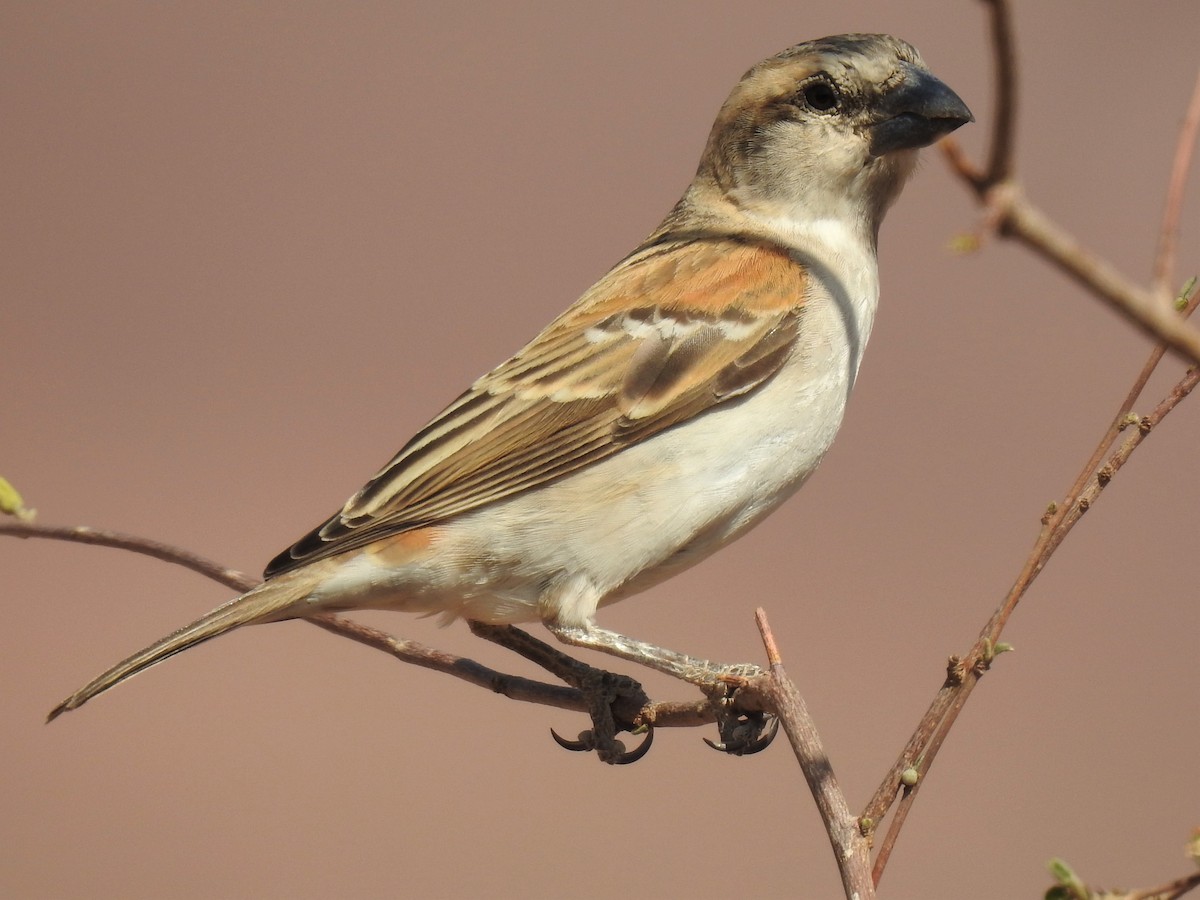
(604, 691)
(742, 733)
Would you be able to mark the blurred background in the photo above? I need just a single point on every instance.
(249, 249)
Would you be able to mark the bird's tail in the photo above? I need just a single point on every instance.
(261, 604)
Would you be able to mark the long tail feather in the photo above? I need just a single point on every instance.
(261, 604)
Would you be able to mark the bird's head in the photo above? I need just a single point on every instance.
(829, 128)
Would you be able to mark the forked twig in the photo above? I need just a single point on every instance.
(1012, 215)
(1168, 233)
(850, 848)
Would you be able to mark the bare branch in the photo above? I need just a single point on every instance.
(1172, 890)
(1168, 234)
(1067, 882)
(662, 714)
(82, 534)
(850, 847)
(1152, 314)
(1004, 56)
(964, 674)
(1010, 214)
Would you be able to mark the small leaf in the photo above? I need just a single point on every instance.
(11, 503)
(1069, 885)
(1060, 870)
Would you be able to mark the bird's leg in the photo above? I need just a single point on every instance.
(741, 733)
(601, 689)
(700, 672)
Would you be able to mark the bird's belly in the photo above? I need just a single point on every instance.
(655, 508)
(625, 523)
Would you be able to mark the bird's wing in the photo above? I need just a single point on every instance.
(672, 331)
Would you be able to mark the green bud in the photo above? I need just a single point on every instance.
(1184, 296)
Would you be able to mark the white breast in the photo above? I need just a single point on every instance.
(634, 519)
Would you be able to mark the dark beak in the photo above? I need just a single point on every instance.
(915, 113)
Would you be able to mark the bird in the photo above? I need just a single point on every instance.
(673, 406)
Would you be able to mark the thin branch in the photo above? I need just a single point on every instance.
(661, 714)
(1012, 215)
(1168, 234)
(1067, 882)
(1172, 890)
(1003, 144)
(850, 847)
(82, 534)
(964, 674)
(1015, 217)
(1152, 314)
(919, 764)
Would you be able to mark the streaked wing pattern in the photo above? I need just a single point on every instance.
(669, 333)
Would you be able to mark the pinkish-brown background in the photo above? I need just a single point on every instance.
(249, 249)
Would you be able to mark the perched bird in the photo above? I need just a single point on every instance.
(672, 407)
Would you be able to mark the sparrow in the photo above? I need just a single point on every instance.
(671, 408)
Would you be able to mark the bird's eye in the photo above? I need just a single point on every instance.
(822, 96)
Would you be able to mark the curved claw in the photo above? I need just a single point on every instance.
(624, 759)
(746, 745)
(763, 741)
(585, 743)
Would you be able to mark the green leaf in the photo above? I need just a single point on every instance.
(11, 503)
(1069, 885)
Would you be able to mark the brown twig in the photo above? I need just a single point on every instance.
(1092, 479)
(1168, 234)
(850, 847)
(1011, 214)
(1004, 56)
(82, 534)
(1172, 890)
(964, 674)
(948, 703)
(1015, 217)
(667, 714)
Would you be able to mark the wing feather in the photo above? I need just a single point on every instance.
(668, 334)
